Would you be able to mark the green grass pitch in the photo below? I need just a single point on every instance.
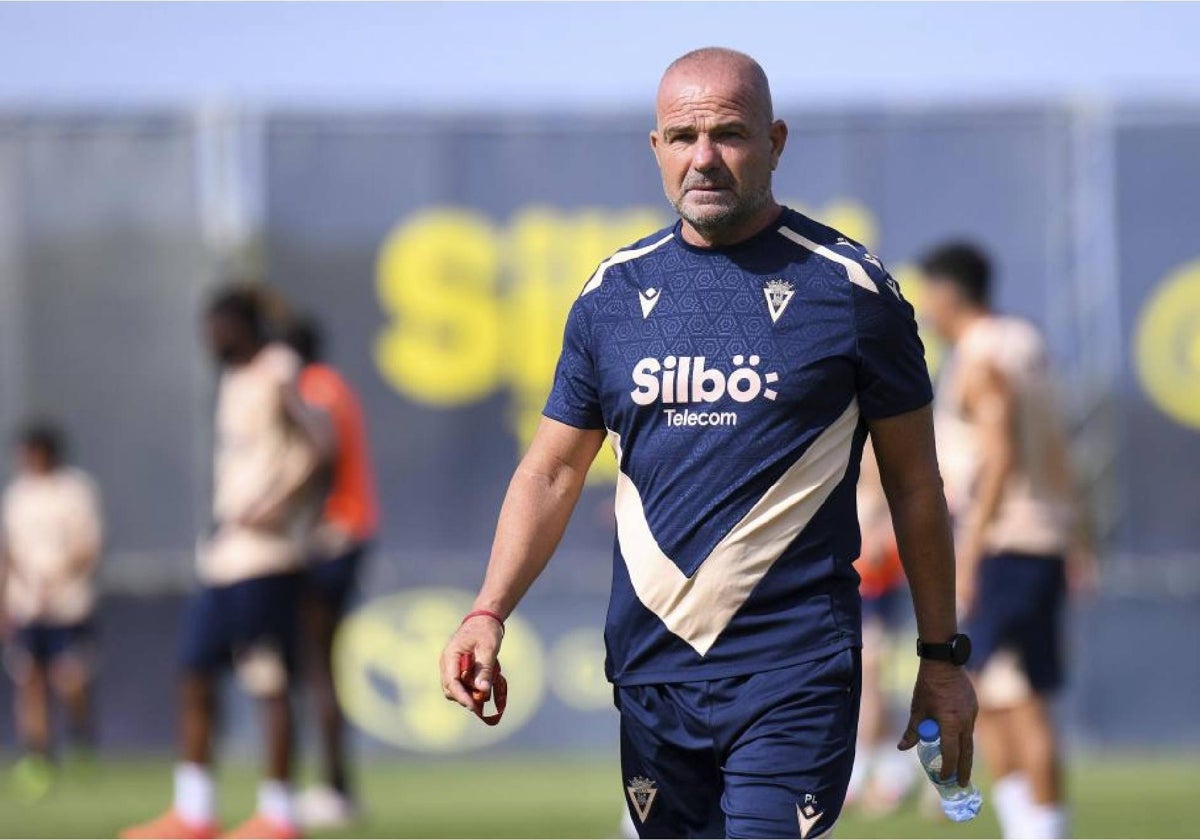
(1113, 796)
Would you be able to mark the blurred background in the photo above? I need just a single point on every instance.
(435, 182)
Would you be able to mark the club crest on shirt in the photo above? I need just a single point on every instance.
(641, 795)
(778, 293)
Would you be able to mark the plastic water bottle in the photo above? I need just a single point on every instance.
(958, 803)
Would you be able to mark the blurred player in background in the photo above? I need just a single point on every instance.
(882, 777)
(1020, 532)
(269, 449)
(52, 539)
(340, 540)
(737, 361)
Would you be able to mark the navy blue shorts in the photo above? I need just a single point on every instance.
(222, 622)
(333, 580)
(44, 643)
(1020, 599)
(765, 755)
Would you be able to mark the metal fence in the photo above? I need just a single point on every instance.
(442, 253)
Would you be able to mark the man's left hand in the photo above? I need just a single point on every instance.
(944, 692)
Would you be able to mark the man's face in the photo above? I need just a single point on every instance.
(33, 459)
(942, 304)
(716, 149)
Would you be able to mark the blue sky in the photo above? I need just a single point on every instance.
(502, 55)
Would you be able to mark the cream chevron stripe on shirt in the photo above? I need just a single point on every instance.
(699, 608)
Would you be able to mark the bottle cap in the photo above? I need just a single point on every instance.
(928, 730)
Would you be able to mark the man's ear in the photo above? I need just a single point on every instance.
(779, 135)
(656, 146)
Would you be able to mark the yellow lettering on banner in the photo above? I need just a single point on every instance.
(1167, 346)
(437, 278)
(550, 256)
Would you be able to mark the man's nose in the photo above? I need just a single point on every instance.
(704, 155)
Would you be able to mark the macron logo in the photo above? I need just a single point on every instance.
(648, 298)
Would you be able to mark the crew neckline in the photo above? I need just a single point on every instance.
(737, 246)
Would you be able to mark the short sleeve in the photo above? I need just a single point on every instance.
(574, 397)
(318, 388)
(892, 378)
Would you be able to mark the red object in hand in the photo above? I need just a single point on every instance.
(499, 691)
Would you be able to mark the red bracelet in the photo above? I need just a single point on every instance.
(476, 613)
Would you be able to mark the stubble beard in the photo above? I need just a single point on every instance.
(721, 219)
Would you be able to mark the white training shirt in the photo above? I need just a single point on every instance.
(52, 535)
(257, 450)
(1035, 515)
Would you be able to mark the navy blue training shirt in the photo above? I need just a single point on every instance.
(735, 384)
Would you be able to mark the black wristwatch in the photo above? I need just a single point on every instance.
(956, 651)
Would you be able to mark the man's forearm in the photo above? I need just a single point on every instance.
(994, 475)
(313, 422)
(923, 536)
(532, 520)
(990, 400)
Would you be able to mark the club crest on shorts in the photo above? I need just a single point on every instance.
(641, 795)
(809, 814)
(778, 292)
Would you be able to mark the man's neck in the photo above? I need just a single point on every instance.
(724, 238)
(967, 320)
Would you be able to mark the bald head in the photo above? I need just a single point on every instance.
(719, 67)
(717, 142)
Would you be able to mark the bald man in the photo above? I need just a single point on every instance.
(736, 362)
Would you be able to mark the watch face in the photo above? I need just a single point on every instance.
(960, 647)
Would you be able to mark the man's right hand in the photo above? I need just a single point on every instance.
(480, 638)
(539, 501)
